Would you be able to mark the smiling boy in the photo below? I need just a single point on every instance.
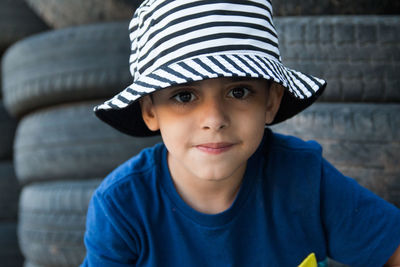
(210, 129)
(222, 189)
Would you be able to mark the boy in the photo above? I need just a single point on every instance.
(222, 190)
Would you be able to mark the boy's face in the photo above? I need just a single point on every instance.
(212, 127)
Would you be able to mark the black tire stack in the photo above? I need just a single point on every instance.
(357, 50)
(17, 21)
(51, 82)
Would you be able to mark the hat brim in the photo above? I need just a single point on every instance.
(123, 111)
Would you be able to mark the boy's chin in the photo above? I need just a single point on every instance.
(218, 174)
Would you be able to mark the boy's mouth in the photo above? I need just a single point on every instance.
(215, 148)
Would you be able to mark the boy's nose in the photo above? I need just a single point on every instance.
(214, 116)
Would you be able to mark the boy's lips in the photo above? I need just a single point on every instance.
(215, 148)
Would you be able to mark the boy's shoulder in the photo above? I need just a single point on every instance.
(290, 156)
(134, 169)
(290, 159)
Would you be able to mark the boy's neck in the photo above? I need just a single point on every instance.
(209, 197)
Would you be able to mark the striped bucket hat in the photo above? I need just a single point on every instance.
(180, 41)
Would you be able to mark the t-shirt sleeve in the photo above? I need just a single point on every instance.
(106, 243)
(361, 228)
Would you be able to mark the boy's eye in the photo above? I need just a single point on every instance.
(184, 97)
(239, 92)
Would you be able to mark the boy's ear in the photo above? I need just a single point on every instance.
(148, 114)
(274, 101)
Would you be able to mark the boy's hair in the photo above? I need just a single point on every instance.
(180, 41)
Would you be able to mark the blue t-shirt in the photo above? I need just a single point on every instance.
(291, 202)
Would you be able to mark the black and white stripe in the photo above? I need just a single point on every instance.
(178, 41)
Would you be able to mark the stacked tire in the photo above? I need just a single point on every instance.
(51, 82)
(356, 120)
(67, 13)
(17, 21)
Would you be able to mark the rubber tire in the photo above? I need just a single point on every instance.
(67, 65)
(10, 253)
(331, 7)
(66, 13)
(69, 141)
(17, 21)
(359, 56)
(9, 191)
(52, 222)
(361, 140)
(8, 126)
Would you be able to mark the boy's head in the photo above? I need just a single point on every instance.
(212, 117)
(190, 43)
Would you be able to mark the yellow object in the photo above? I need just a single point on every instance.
(310, 261)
